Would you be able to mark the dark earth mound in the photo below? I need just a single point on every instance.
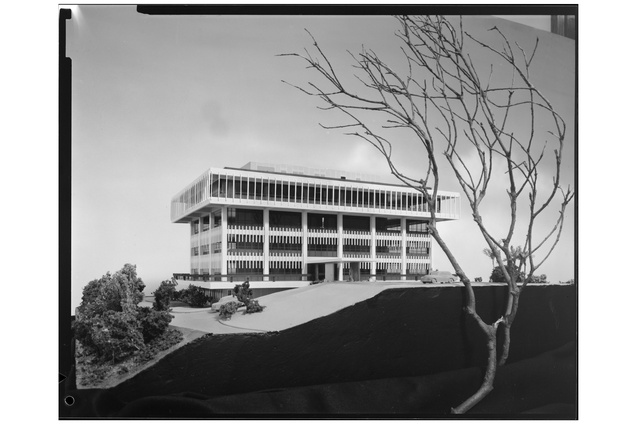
(406, 352)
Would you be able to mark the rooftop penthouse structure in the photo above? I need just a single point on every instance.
(285, 226)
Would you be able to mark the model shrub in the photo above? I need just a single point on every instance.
(245, 296)
(164, 294)
(243, 292)
(153, 323)
(177, 295)
(498, 276)
(117, 335)
(118, 292)
(539, 279)
(252, 306)
(227, 310)
(195, 297)
(109, 322)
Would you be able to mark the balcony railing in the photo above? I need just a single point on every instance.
(240, 277)
(321, 230)
(243, 227)
(315, 253)
(285, 277)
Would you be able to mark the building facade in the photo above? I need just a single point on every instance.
(285, 226)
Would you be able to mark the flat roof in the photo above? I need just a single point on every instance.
(321, 177)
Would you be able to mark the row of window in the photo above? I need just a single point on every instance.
(258, 188)
(314, 250)
(205, 222)
(286, 219)
(237, 268)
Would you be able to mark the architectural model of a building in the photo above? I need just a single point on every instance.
(285, 226)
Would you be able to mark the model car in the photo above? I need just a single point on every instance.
(438, 277)
(222, 301)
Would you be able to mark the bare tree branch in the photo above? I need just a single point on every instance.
(467, 116)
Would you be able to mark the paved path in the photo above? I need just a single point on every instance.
(291, 307)
(284, 309)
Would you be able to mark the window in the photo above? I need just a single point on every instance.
(388, 224)
(299, 192)
(361, 223)
(244, 243)
(311, 193)
(388, 248)
(271, 191)
(223, 186)
(417, 226)
(418, 248)
(245, 267)
(285, 219)
(195, 227)
(251, 188)
(322, 221)
(205, 223)
(214, 185)
(322, 247)
(277, 247)
(351, 248)
(245, 217)
(260, 189)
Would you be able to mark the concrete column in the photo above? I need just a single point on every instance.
(304, 242)
(373, 249)
(330, 274)
(340, 245)
(266, 244)
(224, 247)
(404, 242)
(199, 244)
(210, 243)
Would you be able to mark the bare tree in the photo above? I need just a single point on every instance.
(488, 252)
(451, 108)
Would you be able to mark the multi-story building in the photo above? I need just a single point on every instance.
(285, 226)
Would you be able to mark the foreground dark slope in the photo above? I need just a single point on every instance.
(411, 332)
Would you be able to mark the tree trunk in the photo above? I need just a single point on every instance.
(508, 320)
(506, 344)
(488, 379)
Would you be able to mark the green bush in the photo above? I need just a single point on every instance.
(244, 295)
(115, 335)
(118, 292)
(227, 310)
(243, 292)
(99, 296)
(195, 297)
(164, 294)
(252, 306)
(161, 343)
(153, 323)
(539, 279)
(109, 322)
(498, 276)
(178, 295)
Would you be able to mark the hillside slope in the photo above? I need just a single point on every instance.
(398, 333)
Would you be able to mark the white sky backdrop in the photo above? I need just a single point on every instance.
(606, 292)
(158, 99)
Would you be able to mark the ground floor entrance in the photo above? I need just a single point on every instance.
(323, 271)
